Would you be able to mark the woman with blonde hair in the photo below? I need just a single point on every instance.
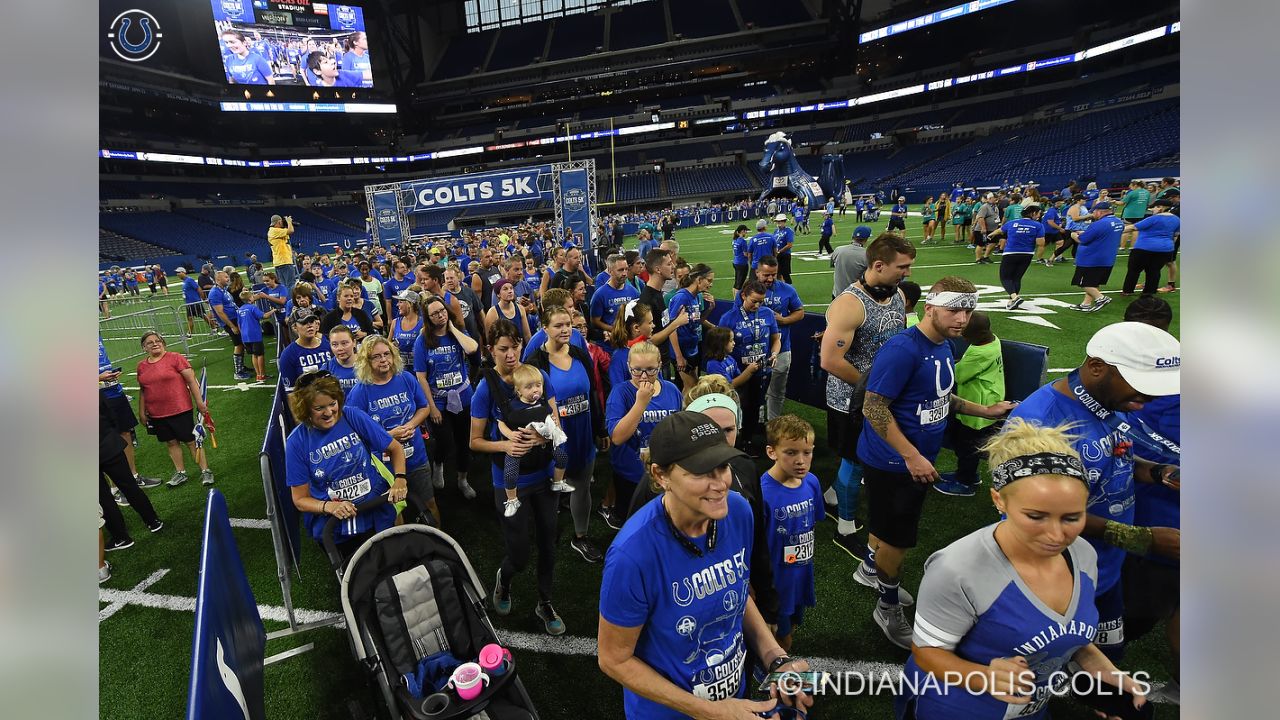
(1005, 608)
(634, 408)
(393, 398)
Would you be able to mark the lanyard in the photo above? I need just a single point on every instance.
(1142, 435)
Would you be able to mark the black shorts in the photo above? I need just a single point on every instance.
(842, 434)
(233, 336)
(1091, 276)
(740, 275)
(122, 413)
(894, 505)
(254, 348)
(180, 427)
(196, 310)
(1052, 239)
(979, 238)
(897, 223)
(1131, 221)
(1150, 588)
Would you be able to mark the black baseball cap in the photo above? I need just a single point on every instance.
(302, 316)
(691, 440)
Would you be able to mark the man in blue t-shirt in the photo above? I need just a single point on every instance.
(784, 302)
(193, 302)
(1096, 255)
(762, 244)
(611, 297)
(1020, 239)
(898, 217)
(755, 340)
(224, 311)
(910, 394)
(1127, 365)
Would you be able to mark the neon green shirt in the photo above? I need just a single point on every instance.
(980, 379)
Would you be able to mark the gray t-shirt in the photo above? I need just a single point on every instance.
(849, 261)
(991, 215)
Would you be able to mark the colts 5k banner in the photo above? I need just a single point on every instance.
(574, 202)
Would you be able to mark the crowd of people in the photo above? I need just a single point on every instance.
(502, 342)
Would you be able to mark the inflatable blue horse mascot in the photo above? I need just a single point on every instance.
(786, 177)
(832, 177)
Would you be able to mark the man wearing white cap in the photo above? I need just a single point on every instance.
(784, 238)
(1127, 365)
(762, 244)
(281, 252)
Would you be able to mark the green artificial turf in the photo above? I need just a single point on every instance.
(145, 653)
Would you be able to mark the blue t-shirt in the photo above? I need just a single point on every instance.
(573, 400)
(295, 360)
(691, 608)
(1155, 233)
(762, 245)
(793, 515)
(1100, 242)
(391, 405)
(486, 407)
(357, 63)
(606, 301)
(346, 375)
(218, 296)
(625, 457)
(252, 69)
(540, 338)
(1107, 463)
(1156, 504)
(899, 209)
(740, 246)
(445, 367)
(828, 225)
(728, 367)
(337, 464)
(751, 333)
(405, 338)
(782, 238)
(1051, 214)
(917, 376)
(104, 365)
(690, 334)
(783, 300)
(1021, 236)
(279, 291)
(249, 318)
(392, 287)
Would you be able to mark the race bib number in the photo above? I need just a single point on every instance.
(352, 492)
(449, 380)
(1032, 708)
(575, 405)
(408, 453)
(724, 681)
(801, 551)
(935, 412)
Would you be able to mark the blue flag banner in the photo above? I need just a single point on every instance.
(279, 425)
(386, 218)
(574, 202)
(505, 186)
(227, 655)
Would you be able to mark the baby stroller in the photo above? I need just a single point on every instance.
(409, 593)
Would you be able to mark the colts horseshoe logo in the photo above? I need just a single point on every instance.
(134, 35)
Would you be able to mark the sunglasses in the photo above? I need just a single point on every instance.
(311, 377)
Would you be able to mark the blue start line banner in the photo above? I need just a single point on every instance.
(518, 185)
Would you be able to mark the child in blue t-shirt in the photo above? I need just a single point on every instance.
(530, 409)
(718, 349)
(249, 318)
(793, 507)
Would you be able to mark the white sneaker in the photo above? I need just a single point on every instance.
(561, 487)
(870, 580)
(510, 507)
(104, 572)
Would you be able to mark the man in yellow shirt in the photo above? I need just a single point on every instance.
(281, 252)
(979, 379)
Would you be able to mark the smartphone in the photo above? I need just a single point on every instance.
(808, 680)
(1117, 703)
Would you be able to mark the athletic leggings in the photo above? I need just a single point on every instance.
(117, 469)
(1012, 268)
(1070, 244)
(451, 437)
(580, 500)
(1149, 262)
(538, 507)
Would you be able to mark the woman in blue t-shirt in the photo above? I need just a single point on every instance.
(342, 363)
(329, 463)
(440, 363)
(677, 620)
(1153, 249)
(407, 326)
(538, 504)
(1003, 609)
(394, 399)
(634, 408)
(686, 343)
(574, 378)
(243, 65)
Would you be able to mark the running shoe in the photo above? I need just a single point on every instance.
(550, 618)
(115, 495)
(501, 596)
(121, 544)
(206, 476)
(104, 572)
(587, 549)
(178, 478)
(465, 488)
(893, 621)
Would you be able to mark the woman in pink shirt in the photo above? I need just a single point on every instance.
(168, 391)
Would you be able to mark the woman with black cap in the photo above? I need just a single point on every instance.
(676, 618)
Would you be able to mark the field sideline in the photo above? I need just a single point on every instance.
(146, 623)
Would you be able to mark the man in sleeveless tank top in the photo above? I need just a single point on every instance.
(859, 321)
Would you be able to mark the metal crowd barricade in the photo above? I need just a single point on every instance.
(121, 332)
